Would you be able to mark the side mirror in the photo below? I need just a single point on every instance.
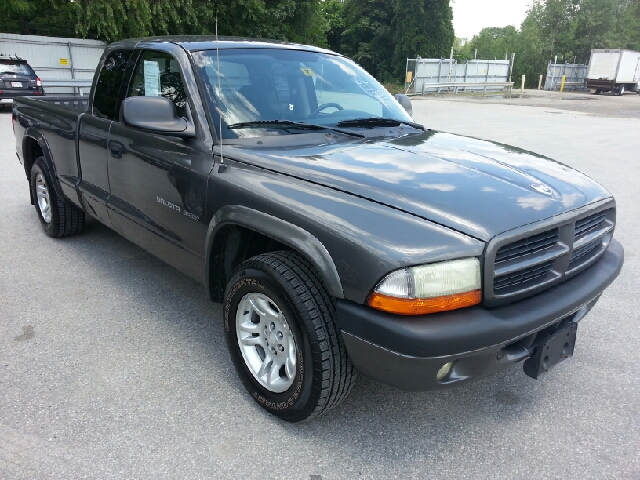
(155, 114)
(405, 102)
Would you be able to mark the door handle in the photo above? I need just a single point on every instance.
(116, 149)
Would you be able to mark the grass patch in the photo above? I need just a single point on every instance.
(394, 88)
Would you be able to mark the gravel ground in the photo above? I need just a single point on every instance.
(113, 365)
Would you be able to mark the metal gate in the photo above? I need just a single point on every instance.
(425, 75)
(574, 76)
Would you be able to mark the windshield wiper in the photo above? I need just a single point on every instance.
(288, 124)
(372, 122)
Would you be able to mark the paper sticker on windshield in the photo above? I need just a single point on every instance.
(151, 78)
(372, 92)
(307, 71)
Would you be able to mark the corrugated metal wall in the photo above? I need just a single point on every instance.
(55, 58)
(429, 73)
(574, 72)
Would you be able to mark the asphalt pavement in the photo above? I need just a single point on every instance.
(113, 365)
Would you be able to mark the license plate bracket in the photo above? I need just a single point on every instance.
(555, 348)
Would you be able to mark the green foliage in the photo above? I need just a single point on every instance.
(568, 29)
(110, 20)
(381, 34)
(334, 16)
(368, 37)
(491, 43)
(421, 28)
(26, 17)
(378, 34)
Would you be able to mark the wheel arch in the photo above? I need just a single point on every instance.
(236, 228)
(34, 145)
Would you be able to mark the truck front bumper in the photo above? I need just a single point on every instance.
(446, 349)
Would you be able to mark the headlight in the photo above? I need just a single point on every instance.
(437, 287)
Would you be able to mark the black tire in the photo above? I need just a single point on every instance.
(598, 91)
(620, 90)
(62, 219)
(324, 374)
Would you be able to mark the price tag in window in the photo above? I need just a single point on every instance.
(151, 78)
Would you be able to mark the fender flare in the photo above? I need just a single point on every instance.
(34, 134)
(287, 233)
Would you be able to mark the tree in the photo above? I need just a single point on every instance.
(493, 42)
(25, 17)
(368, 37)
(628, 27)
(595, 25)
(334, 16)
(291, 20)
(421, 28)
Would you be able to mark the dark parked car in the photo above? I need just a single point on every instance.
(340, 235)
(17, 79)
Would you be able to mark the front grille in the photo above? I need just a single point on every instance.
(581, 254)
(525, 261)
(589, 224)
(505, 283)
(527, 246)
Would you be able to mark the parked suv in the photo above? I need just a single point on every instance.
(17, 79)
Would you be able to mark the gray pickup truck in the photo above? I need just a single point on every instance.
(340, 236)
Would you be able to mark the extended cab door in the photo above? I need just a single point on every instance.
(93, 133)
(159, 182)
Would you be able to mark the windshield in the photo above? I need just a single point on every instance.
(262, 85)
(15, 68)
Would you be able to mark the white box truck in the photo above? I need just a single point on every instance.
(613, 70)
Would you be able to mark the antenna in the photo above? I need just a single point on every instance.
(219, 90)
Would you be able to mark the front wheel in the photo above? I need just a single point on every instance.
(282, 337)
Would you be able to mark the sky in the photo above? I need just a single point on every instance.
(471, 16)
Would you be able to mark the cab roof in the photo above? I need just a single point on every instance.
(210, 42)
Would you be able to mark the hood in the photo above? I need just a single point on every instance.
(477, 187)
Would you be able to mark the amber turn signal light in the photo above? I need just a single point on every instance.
(423, 306)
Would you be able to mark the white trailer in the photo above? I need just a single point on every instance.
(613, 70)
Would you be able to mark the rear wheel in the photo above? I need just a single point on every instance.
(282, 337)
(58, 217)
(620, 90)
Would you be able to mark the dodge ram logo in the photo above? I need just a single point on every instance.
(538, 187)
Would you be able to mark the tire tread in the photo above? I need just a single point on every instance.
(70, 219)
(338, 373)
